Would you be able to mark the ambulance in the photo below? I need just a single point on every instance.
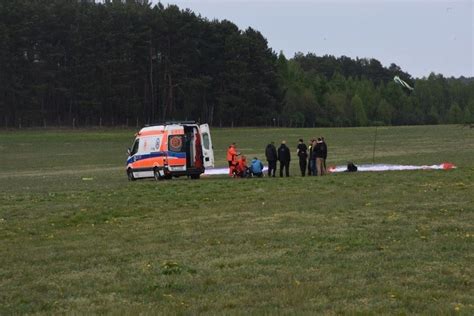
(169, 150)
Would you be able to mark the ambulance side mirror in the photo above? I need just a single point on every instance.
(129, 151)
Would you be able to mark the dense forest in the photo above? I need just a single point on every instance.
(77, 63)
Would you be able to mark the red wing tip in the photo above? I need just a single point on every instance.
(448, 165)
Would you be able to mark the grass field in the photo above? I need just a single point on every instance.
(76, 236)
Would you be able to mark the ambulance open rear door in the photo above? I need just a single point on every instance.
(207, 151)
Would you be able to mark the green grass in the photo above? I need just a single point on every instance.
(392, 242)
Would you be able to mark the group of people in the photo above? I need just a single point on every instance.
(238, 165)
(318, 152)
(312, 159)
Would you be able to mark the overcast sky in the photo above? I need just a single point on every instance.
(421, 36)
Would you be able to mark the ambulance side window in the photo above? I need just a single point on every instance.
(135, 147)
(205, 140)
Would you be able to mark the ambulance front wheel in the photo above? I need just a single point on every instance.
(130, 175)
(195, 176)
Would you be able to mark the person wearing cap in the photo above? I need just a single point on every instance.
(256, 167)
(272, 157)
(284, 157)
(302, 152)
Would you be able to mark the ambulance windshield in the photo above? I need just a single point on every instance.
(135, 147)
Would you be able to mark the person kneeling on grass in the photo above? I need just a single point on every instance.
(256, 167)
(241, 170)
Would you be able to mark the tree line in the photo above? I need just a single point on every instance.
(329, 91)
(77, 63)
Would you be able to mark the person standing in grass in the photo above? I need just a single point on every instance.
(232, 158)
(302, 152)
(312, 158)
(310, 152)
(319, 155)
(325, 153)
(284, 157)
(272, 157)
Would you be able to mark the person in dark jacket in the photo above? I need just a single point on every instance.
(312, 159)
(284, 157)
(272, 157)
(318, 155)
(310, 150)
(302, 152)
(325, 153)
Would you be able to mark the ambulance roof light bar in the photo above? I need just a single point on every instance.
(170, 123)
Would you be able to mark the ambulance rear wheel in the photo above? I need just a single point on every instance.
(130, 175)
(157, 175)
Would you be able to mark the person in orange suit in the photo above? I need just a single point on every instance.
(232, 158)
(241, 169)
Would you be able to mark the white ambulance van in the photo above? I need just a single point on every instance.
(169, 150)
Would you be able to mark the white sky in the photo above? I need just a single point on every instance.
(420, 36)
